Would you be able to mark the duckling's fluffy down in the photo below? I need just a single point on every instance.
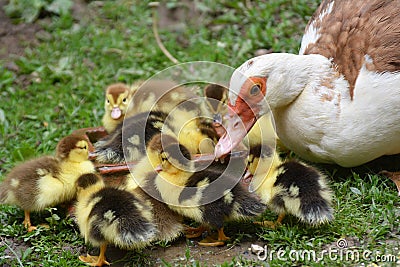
(115, 216)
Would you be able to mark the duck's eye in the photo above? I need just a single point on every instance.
(255, 89)
(108, 101)
(124, 100)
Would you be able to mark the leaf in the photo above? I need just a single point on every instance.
(3, 119)
(27, 252)
(30, 117)
(55, 217)
(31, 12)
(28, 10)
(187, 253)
(59, 7)
(355, 191)
(64, 63)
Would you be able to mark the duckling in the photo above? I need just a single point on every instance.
(289, 187)
(192, 130)
(156, 94)
(108, 215)
(117, 104)
(169, 223)
(207, 196)
(129, 140)
(48, 180)
(214, 105)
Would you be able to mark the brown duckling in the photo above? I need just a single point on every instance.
(156, 94)
(47, 181)
(117, 104)
(108, 215)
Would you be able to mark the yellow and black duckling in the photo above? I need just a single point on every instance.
(108, 215)
(47, 181)
(207, 196)
(193, 130)
(169, 223)
(117, 104)
(214, 106)
(133, 134)
(129, 140)
(289, 187)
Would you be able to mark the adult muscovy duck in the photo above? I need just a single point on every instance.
(338, 101)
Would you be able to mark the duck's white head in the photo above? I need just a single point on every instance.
(278, 78)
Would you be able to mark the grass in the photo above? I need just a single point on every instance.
(59, 88)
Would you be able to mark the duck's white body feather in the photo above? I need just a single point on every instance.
(324, 124)
(338, 101)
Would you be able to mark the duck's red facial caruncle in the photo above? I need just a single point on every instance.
(244, 110)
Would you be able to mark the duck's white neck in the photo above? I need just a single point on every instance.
(291, 74)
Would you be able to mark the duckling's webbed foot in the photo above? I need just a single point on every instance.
(209, 241)
(268, 224)
(193, 232)
(221, 235)
(215, 240)
(271, 224)
(27, 222)
(96, 260)
(31, 228)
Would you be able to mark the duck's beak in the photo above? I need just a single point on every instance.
(237, 128)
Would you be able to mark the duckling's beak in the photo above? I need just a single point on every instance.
(92, 156)
(116, 113)
(158, 168)
(246, 179)
(217, 125)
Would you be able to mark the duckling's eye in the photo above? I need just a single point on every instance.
(255, 90)
(250, 160)
(124, 100)
(108, 101)
(163, 158)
